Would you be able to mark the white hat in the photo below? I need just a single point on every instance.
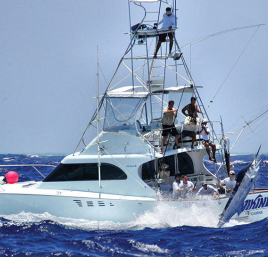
(204, 121)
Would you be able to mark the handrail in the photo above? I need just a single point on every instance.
(29, 165)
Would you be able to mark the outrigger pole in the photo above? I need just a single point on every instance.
(98, 120)
(247, 124)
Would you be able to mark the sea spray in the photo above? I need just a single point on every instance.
(204, 213)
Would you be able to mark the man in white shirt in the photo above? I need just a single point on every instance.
(175, 186)
(204, 132)
(206, 190)
(229, 182)
(185, 187)
(169, 22)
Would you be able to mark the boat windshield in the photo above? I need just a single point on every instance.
(122, 112)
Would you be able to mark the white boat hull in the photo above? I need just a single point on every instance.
(15, 199)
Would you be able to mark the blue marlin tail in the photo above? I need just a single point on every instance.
(244, 182)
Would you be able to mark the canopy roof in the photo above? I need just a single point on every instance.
(144, 0)
(142, 92)
(129, 91)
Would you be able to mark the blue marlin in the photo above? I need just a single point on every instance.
(244, 182)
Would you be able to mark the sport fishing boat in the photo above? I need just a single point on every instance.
(114, 176)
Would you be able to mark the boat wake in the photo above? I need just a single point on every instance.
(164, 215)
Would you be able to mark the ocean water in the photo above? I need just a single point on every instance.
(160, 232)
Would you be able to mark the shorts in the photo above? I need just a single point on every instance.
(187, 133)
(208, 141)
(169, 129)
(162, 37)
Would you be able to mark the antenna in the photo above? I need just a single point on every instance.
(98, 118)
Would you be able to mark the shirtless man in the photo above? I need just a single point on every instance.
(192, 109)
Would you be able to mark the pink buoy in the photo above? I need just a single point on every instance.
(12, 177)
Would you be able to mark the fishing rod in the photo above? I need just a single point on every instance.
(166, 145)
(201, 173)
(221, 32)
(174, 119)
(188, 190)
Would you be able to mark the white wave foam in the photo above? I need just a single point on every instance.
(168, 215)
(211, 162)
(8, 159)
(34, 156)
(147, 248)
(164, 215)
(28, 217)
(233, 223)
(239, 162)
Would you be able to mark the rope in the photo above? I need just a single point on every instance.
(234, 65)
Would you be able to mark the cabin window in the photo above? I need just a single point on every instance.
(80, 172)
(148, 170)
(184, 164)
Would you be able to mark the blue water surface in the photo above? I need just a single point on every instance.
(29, 234)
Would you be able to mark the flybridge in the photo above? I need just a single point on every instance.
(145, 80)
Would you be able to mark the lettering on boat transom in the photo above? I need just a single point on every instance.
(257, 203)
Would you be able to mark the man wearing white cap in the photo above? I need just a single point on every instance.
(204, 132)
